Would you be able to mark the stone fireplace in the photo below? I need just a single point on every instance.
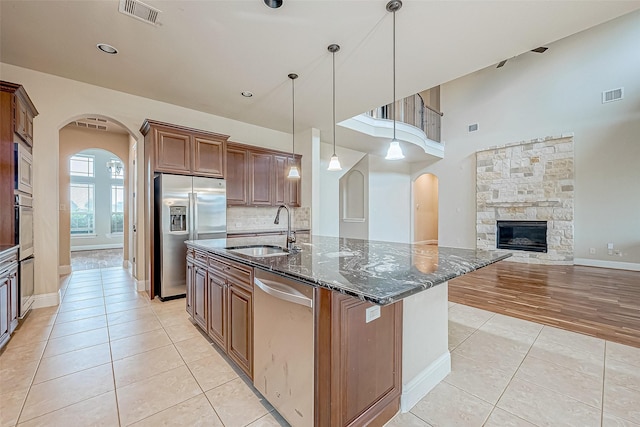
(532, 183)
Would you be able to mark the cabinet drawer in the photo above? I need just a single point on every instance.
(217, 264)
(241, 275)
(201, 257)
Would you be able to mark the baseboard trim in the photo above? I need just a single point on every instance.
(141, 285)
(424, 382)
(126, 264)
(96, 247)
(617, 265)
(46, 300)
(64, 270)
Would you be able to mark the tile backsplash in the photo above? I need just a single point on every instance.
(240, 218)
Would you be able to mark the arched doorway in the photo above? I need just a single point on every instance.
(425, 209)
(93, 195)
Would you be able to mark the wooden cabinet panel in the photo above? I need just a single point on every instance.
(173, 152)
(14, 300)
(208, 157)
(4, 310)
(358, 364)
(23, 121)
(281, 182)
(240, 317)
(217, 309)
(200, 296)
(260, 179)
(237, 176)
(190, 279)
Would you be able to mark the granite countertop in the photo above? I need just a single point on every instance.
(379, 272)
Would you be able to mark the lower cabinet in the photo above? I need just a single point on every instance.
(221, 297)
(8, 296)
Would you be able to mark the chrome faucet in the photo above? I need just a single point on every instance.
(291, 236)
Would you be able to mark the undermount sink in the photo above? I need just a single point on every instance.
(259, 251)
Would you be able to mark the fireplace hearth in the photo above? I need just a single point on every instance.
(522, 235)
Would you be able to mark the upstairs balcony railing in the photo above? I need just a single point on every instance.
(411, 110)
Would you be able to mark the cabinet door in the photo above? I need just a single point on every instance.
(20, 119)
(208, 157)
(217, 309)
(281, 184)
(4, 310)
(13, 300)
(260, 178)
(293, 187)
(29, 128)
(200, 296)
(190, 280)
(173, 151)
(237, 173)
(240, 340)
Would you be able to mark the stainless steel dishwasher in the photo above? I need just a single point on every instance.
(283, 345)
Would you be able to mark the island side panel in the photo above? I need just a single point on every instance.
(425, 350)
(366, 370)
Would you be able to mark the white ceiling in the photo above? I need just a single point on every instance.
(205, 53)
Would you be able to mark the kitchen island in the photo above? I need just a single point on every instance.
(379, 316)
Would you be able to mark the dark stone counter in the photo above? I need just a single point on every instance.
(379, 272)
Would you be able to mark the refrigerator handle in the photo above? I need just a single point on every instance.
(195, 215)
(190, 225)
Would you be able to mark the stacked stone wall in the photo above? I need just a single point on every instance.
(528, 181)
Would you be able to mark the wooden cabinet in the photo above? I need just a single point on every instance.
(17, 112)
(181, 150)
(237, 176)
(208, 156)
(358, 363)
(227, 306)
(200, 296)
(217, 308)
(172, 151)
(189, 282)
(258, 177)
(9, 298)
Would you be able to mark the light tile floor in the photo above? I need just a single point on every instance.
(108, 356)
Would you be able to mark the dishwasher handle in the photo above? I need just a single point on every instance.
(283, 292)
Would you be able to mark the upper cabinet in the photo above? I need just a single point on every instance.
(258, 177)
(181, 150)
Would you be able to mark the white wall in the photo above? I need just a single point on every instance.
(539, 95)
(60, 100)
(328, 209)
(389, 200)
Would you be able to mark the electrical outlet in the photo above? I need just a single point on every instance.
(610, 246)
(372, 313)
(592, 251)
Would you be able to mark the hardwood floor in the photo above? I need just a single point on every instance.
(601, 302)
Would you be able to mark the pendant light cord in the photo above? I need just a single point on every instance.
(334, 103)
(293, 118)
(393, 106)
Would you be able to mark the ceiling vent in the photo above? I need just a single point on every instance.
(140, 11)
(90, 125)
(612, 95)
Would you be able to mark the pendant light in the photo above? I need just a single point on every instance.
(394, 152)
(293, 172)
(334, 163)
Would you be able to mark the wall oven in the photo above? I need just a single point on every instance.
(24, 238)
(24, 169)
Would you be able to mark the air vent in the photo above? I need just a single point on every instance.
(90, 126)
(473, 127)
(138, 10)
(612, 95)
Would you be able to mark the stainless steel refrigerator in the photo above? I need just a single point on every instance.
(186, 208)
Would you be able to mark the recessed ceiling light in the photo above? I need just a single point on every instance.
(107, 48)
(273, 4)
(247, 94)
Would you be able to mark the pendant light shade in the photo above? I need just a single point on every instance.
(395, 151)
(294, 173)
(334, 163)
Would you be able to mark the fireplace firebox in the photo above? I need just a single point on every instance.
(522, 235)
